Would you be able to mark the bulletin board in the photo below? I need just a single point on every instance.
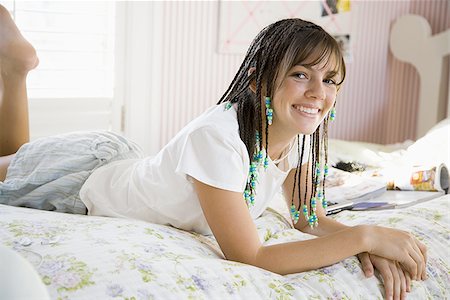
(240, 21)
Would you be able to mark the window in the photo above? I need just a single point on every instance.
(73, 87)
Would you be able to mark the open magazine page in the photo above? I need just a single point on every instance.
(343, 186)
(369, 189)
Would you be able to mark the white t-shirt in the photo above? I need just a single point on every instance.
(160, 190)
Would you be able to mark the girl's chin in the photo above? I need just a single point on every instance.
(307, 130)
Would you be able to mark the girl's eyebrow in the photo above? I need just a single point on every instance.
(328, 73)
(300, 65)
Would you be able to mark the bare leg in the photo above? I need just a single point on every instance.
(17, 58)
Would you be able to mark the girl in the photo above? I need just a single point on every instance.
(269, 130)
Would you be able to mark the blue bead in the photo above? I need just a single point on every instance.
(228, 106)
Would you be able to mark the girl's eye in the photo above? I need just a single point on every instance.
(300, 75)
(330, 81)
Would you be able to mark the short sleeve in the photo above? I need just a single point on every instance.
(216, 158)
(293, 156)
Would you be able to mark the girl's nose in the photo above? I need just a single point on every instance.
(315, 90)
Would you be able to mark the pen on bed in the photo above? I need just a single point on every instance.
(339, 208)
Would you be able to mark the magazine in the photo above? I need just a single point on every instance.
(419, 178)
(344, 186)
(386, 188)
(396, 199)
(344, 189)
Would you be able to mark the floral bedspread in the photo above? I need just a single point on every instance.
(85, 257)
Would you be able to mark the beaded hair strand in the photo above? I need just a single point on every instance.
(295, 214)
(317, 145)
(325, 151)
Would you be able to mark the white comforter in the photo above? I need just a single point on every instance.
(84, 257)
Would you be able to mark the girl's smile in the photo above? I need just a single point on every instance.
(305, 111)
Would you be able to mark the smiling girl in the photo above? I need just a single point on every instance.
(268, 131)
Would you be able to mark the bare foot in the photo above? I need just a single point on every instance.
(16, 53)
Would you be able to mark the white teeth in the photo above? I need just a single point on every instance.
(307, 110)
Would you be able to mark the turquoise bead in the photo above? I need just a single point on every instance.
(266, 163)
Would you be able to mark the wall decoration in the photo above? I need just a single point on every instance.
(240, 21)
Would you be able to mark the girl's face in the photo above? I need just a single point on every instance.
(303, 99)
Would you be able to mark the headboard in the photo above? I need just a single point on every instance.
(411, 41)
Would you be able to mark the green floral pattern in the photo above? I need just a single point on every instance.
(81, 257)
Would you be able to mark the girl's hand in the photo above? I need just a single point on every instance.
(400, 246)
(396, 281)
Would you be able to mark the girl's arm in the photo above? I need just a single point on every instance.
(328, 225)
(230, 221)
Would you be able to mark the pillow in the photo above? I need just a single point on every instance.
(433, 148)
(375, 155)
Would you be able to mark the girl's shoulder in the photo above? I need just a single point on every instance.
(215, 130)
(215, 120)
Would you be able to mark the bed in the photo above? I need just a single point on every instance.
(86, 257)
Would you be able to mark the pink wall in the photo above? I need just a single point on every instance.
(377, 104)
(380, 98)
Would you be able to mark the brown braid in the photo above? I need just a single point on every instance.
(325, 148)
(299, 169)
(307, 170)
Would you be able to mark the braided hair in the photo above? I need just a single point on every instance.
(274, 51)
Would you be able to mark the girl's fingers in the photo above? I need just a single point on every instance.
(410, 265)
(388, 280)
(423, 250)
(408, 281)
(366, 264)
(396, 281)
(402, 282)
(420, 260)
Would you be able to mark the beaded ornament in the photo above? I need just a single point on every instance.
(269, 111)
(318, 196)
(259, 160)
(333, 114)
(319, 175)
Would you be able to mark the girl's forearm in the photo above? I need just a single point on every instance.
(326, 226)
(311, 254)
